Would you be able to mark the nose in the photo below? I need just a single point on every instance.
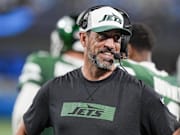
(110, 43)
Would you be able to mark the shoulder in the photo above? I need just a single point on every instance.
(37, 61)
(34, 67)
(68, 77)
(139, 84)
(135, 84)
(134, 68)
(38, 56)
(129, 66)
(64, 82)
(125, 75)
(129, 85)
(129, 81)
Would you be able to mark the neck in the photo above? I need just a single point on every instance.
(143, 56)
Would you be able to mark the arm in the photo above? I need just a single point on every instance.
(21, 129)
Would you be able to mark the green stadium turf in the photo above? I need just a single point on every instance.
(5, 126)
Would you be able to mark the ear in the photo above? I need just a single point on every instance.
(82, 37)
(129, 48)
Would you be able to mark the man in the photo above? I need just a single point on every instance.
(98, 98)
(140, 65)
(66, 54)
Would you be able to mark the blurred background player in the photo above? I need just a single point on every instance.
(66, 54)
(178, 69)
(140, 65)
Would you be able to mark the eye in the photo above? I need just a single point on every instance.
(101, 37)
(117, 38)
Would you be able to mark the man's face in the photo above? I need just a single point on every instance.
(102, 46)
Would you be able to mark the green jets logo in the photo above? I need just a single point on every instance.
(88, 110)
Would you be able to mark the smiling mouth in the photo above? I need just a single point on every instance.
(107, 53)
(107, 56)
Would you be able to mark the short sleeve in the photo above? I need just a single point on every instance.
(155, 117)
(37, 116)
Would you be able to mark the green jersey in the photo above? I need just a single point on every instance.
(164, 84)
(41, 67)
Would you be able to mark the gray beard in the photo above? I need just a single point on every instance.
(98, 63)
